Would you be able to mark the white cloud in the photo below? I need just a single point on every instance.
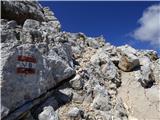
(149, 29)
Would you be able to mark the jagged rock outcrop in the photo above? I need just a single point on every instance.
(49, 74)
(22, 10)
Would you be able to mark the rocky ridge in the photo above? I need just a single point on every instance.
(49, 74)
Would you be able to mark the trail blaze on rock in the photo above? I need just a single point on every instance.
(26, 58)
(25, 65)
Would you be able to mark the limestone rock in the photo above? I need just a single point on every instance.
(144, 61)
(51, 19)
(156, 70)
(33, 73)
(48, 114)
(75, 113)
(78, 76)
(22, 10)
(127, 49)
(128, 62)
(135, 97)
(30, 24)
(101, 103)
(102, 62)
(101, 100)
(11, 24)
(147, 79)
(4, 111)
(149, 53)
(77, 82)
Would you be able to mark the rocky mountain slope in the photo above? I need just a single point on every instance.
(49, 74)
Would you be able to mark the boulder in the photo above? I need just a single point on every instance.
(147, 78)
(128, 62)
(30, 32)
(48, 114)
(30, 24)
(22, 10)
(31, 72)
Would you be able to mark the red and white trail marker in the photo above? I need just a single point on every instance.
(26, 64)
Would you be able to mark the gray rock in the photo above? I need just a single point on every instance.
(149, 53)
(77, 98)
(144, 61)
(95, 42)
(156, 71)
(147, 79)
(77, 82)
(67, 91)
(60, 70)
(30, 32)
(101, 100)
(4, 111)
(128, 62)
(22, 10)
(105, 66)
(51, 101)
(48, 114)
(31, 73)
(9, 36)
(101, 103)
(11, 24)
(75, 113)
(127, 49)
(30, 24)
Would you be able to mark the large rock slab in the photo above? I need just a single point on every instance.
(22, 10)
(29, 73)
(141, 103)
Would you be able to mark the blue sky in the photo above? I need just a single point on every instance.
(116, 21)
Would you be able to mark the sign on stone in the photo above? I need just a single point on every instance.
(26, 64)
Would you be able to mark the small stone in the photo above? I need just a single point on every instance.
(48, 114)
(11, 24)
(77, 82)
(77, 98)
(75, 113)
